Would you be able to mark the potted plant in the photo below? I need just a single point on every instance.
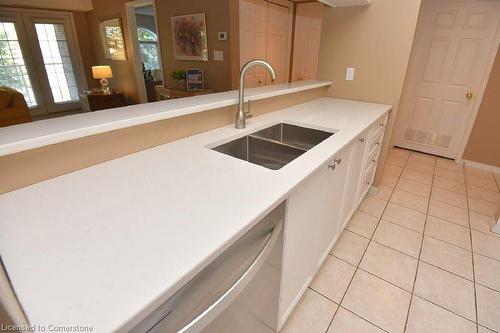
(179, 78)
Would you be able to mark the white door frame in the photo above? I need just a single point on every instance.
(479, 94)
(136, 56)
(478, 99)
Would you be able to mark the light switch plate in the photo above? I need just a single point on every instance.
(349, 74)
(219, 55)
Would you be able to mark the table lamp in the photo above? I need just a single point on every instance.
(103, 73)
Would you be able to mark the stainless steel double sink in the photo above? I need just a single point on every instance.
(274, 146)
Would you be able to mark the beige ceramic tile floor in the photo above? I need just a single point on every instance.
(417, 257)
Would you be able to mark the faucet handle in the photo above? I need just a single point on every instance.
(248, 113)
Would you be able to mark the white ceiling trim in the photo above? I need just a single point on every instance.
(74, 5)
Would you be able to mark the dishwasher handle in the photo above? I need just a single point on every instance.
(207, 316)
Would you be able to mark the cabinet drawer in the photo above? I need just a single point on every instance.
(367, 179)
(372, 160)
(379, 125)
(376, 142)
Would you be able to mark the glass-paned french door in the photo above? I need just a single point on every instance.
(39, 58)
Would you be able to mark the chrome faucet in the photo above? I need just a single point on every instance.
(241, 115)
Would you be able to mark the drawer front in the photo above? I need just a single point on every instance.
(367, 179)
(372, 160)
(379, 125)
(376, 142)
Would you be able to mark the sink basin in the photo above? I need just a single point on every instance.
(293, 135)
(275, 146)
(260, 151)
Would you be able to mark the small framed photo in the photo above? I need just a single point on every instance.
(195, 80)
(112, 39)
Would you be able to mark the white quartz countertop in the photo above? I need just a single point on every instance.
(14, 139)
(104, 246)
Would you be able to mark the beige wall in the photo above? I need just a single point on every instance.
(484, 141)
(217, 73)
(377, 41)
(86, 46)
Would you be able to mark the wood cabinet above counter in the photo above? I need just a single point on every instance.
(345, 3)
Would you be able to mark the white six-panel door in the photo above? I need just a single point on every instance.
(451, 54)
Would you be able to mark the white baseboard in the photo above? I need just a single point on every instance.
(481, 166)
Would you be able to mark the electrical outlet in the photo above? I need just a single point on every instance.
(349, 74)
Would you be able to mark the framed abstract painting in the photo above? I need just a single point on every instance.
(189, 37)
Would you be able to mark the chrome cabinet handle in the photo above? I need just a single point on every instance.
(377, 143)
(373, 160)
(201, 321)
(361, 140)
(332, 166)
(337, 160)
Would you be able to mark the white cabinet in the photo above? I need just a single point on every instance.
(319, 209)
(311, 227)
(360, 154)
(370, 163)
(333, 202)
(303, 219)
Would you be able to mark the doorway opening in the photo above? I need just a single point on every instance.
(143, 28)
(454, 50)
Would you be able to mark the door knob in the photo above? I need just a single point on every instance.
(469, 95)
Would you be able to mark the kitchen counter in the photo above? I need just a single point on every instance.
(18, 138)
(104, 246)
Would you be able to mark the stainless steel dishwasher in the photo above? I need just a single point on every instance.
(236, 293)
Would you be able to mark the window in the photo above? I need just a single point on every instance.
(57, 61)
(39, 58)
(13, 72)
(148, 46)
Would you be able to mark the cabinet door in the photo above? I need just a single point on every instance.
(357, 166)
(304, 216)
(307, 35)
(279, 40)
(253, 39)
(338, 170)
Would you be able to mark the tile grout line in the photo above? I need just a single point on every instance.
(361, 259)
(472, 257)
(420, 251)
(409, 256)
(340, 306)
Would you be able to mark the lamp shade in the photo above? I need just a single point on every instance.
(102, 72)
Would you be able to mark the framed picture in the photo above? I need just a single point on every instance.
(112, 39)
(194, 80)
(189, 36)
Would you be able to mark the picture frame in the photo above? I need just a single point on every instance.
(112, 39)
(195, 80)
(189, 37)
